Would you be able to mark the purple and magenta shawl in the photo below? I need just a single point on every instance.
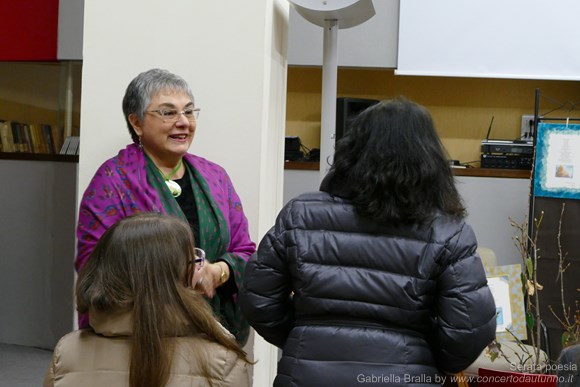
(120, 188)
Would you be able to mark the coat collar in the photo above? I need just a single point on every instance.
(118, 323)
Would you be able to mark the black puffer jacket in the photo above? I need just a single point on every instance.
(371, 304)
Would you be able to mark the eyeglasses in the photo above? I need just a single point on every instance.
(199, 259)
(172, 115)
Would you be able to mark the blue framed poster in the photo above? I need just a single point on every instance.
(557, 166)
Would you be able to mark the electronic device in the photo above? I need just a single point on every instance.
(292, 147)
(347, 109)
(507, 146)
(506, 154)
(506, 161)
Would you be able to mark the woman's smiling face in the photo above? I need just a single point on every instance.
(166, 140)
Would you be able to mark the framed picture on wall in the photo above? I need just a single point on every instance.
(557, 165)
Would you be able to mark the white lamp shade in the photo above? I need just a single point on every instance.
(348, 13)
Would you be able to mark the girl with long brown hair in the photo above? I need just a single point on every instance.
(149, 327)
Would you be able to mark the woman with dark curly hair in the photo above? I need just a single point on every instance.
(374, 279)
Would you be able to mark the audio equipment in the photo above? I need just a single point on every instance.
(292, 147)
(506, 154)
(506, 161)
(506, 146)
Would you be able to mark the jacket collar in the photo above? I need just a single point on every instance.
(118, 323)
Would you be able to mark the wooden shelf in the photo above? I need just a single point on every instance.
(492, 172)
(474, 172)
(302, 165)
(39, 157)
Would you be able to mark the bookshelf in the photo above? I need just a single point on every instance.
(39, 109)
(39, 157)
(38, 200)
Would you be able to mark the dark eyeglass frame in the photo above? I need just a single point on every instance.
(199, 259)
(194, 263)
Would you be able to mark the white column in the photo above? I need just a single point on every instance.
(233, 54)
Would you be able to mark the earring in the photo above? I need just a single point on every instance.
(140, 143)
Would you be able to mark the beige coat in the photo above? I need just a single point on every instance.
(85, 358)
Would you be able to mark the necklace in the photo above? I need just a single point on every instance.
(174, 188)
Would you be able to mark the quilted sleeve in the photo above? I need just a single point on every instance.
(265, 295)
(466, 317)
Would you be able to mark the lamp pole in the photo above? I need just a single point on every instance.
(329, 92)
(331, 15)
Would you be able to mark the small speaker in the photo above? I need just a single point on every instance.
(292, 147)
(292, 144)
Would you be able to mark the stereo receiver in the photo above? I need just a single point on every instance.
(506, 146)
(506, 154)
(506, 161)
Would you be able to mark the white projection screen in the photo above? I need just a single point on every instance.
(525, 39)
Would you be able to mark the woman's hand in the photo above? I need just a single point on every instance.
(209, 277)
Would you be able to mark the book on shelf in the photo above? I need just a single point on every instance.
(57, 135)
(17, 137)
(15, 128)
(47, 139)
(27, 136)
(74, 146)
(38, 143)
(6, 135)
(70, 146)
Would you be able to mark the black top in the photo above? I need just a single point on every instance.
(187, 203)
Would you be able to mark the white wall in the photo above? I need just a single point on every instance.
(37, 226)
(233, 54)
(491, 203)
(297, 182)
(70, 29)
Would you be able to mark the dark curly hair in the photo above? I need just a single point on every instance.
(395, 166)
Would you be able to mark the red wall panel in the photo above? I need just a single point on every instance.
(28, 30)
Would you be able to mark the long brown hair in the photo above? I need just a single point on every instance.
(140, 264)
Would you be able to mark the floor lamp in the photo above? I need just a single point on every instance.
(331, 15)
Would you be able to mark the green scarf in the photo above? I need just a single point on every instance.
(214, 240)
